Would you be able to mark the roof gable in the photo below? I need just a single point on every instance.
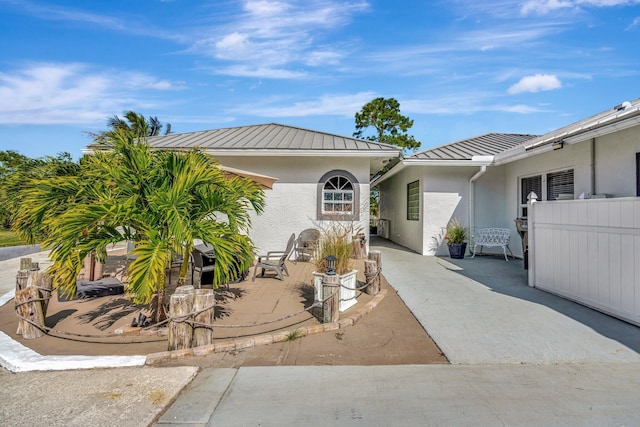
(269, 138)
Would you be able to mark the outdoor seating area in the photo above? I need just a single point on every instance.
(243, 309)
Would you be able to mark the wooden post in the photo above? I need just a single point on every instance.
(180, 332)
(98, 270)
(203, 298)
(39, 280)
(25, 264)
(88, 266)
(372, 277)
(21, 279)
(28, 307)
(331, 297)
(185, 289)
(377, 257)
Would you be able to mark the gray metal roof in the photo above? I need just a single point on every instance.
(619, 113)
(269, 138)
(488, 144)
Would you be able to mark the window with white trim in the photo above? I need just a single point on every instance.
(527, 185)
(551, 186)
(338, 196)
(560, 185)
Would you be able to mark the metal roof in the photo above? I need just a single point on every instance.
(488, 144)
(270, 138)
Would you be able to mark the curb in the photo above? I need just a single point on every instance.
(241, 343)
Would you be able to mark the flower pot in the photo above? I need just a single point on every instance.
(457, 250)
(348, 284)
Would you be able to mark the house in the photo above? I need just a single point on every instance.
(584, 228)
(422, 193)
(321, 177)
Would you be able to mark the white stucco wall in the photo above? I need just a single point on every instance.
(444, 195)
(615, 162)
(393, 207)
(291, 206)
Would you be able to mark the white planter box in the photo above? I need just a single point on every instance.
(348, 284)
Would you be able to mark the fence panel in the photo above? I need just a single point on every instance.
(588, 251)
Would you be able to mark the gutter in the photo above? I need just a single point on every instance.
(475, 161)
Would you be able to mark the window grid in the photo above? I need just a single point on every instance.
(413, 201)
(337, 196)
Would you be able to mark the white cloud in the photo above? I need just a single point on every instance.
(327, 105)
(536, 83)
(49, 93)
(542, 7)
(634, 24)
(270, 35)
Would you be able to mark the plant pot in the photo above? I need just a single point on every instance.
(348, 286)
(457, 250)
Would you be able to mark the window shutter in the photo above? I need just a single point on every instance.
(559, 183)
(529, 184)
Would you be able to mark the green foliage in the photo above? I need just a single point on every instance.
(390, 126)
(10, 238)
(160, 200)
(336, 240)
(132, 124)
(16, 170)
(294, 335)
(374, 203)
(456, 232)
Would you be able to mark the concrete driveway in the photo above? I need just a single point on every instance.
(481, 310)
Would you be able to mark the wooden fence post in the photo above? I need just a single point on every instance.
(28, 307)
(372, 277)
(39, 280)
(180, 332)
(203, 298)
(331, 298)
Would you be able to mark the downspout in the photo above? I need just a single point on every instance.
(474, 178)
(593, 166)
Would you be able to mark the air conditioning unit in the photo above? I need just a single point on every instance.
(384, 227)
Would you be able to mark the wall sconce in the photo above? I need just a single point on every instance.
(331, 265)
(558, 145)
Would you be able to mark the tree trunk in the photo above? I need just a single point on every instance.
(203, 299)
(180, 332)
(28, 307)
(372, 277)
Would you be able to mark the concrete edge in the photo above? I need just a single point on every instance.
(240, 343)
(15, 357)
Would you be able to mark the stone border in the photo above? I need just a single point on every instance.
(240, 343)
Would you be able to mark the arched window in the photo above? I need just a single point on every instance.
(338, 196)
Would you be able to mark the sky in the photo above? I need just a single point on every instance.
(458, 68)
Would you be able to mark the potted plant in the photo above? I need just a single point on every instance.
(456, 237)
(333, 257)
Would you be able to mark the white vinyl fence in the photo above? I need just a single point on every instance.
(588, 251)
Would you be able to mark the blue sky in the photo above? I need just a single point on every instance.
(459, 68)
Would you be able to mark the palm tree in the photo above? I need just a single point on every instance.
(161, 201)
(133, 123)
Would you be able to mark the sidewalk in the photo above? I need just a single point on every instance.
(521, 357)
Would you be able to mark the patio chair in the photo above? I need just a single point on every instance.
(307, 244)
(275, 260)
(199, 264)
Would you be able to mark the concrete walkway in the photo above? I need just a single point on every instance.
(519, 357)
